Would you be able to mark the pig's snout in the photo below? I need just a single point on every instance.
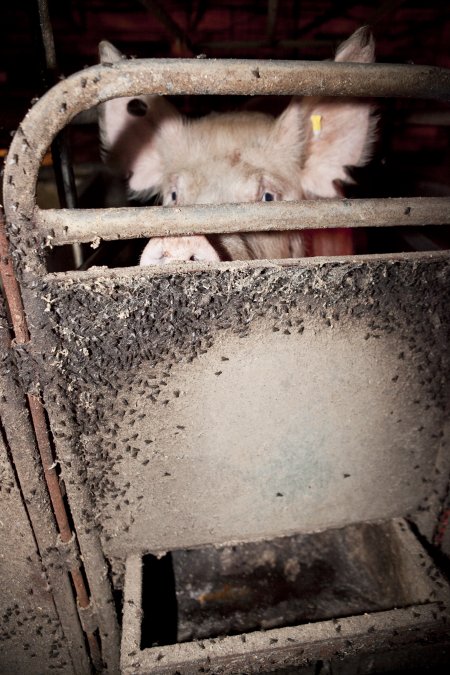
(163, 250)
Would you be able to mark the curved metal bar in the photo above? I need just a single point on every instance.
(191, 76)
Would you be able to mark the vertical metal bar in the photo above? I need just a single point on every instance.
(22, 336)
(64, 176)
(51, 477)
(272, 11)
(47, 37)
(27, 467)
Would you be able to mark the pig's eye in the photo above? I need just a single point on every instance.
(268, 197)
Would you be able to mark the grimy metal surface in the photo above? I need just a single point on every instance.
(31, 636)
(37, 413)
(62, 226)
(286, 581)
(39, 627)
(136, 366)
(242, 401)
(352, 640)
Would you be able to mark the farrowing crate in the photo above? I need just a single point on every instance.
(214, 404)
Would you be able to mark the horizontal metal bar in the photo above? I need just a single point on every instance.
(196, 76)
(62, 226)
(251, 77)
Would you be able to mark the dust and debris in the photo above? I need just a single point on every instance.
(114, 338)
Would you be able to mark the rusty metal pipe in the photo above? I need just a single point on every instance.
(14, 299)
(49, 466)
(59, 509)
(59, 227)
(11, 288)
(27, 465)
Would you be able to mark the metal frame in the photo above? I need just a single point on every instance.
(191, 76)
(31, 230)
(42, 441)
(51, 537)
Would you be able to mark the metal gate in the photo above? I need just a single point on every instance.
(211, 405)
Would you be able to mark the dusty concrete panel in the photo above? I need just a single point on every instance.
(250, 400)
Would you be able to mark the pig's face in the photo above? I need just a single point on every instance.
(220, 158)
(224, 159)
(242, 156)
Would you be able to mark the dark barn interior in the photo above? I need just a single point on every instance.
(233, 467)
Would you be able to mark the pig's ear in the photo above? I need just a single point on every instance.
(338, 132)
(288, 135)
(129, 128)
(359, 48)
(108, 53)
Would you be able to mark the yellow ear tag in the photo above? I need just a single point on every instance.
(316, 121)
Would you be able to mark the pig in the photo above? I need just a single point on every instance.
(243, 156)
